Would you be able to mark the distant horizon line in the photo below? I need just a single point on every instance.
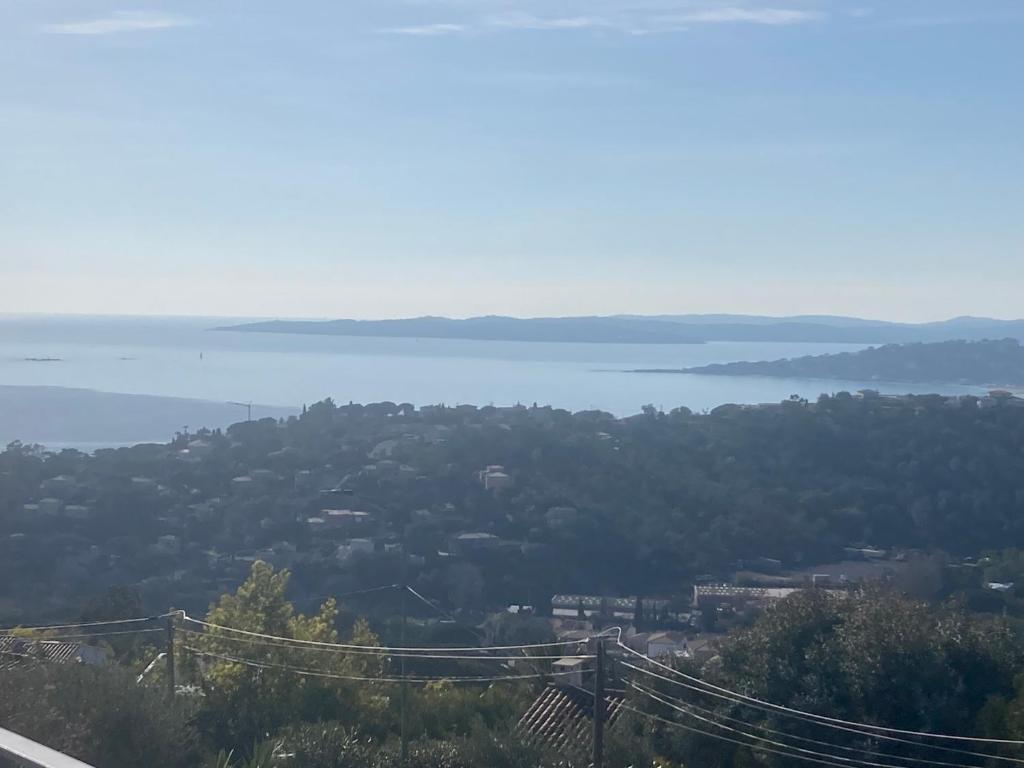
(723, 316)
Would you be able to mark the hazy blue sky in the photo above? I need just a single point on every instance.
(373, 158)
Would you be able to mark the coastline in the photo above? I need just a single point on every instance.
(88, 419)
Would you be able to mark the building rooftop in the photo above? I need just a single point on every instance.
(563, 717)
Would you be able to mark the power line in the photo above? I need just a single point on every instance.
(373, 651)
(719, 737)
(823, 718)
(84, 624)
(55, 638)
(730, 729)
(343, 595)
(356, 678)
(349, 646)
(807, 740)
(741, 701)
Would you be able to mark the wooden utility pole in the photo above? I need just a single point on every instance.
(405, 683)
(599, 713)
(170, 654)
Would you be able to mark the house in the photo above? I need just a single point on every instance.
(562, 717)
(589, 606)
(495, 478)
(714, 595)
(570, 670)
(50, 506)
(472, 543)
(346, 519)
(867, 553)
(25, 650)
(665, 644)
(264, 477)
(701, 649)
(60, 486)
(662, 645)
(144, 484)
(78, 512)
(199, 448)
(999, 586)
(353, 546)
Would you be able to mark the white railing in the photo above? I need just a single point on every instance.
(28, 753)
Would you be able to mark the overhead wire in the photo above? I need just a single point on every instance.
(350, 646)
(885, 737)
(807, 740)
(84, 636)
(848, 760)
(367, 679)
(371, 650)
(79, 625)
(719, 737)
(344, 595)
(814, 716)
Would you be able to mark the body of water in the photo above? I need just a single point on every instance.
(183, 358)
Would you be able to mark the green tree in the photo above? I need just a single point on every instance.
(254, 685)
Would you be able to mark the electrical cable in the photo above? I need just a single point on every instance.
(719, 737)
(371, 651)
(823, 718)
(730, 729)
(57, 638)
(349, 646)
(807, 740)
(735, 700)
(85, 624)
(355, 678)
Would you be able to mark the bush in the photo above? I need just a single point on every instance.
(99, 715)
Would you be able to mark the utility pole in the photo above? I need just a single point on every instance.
(247, 406)
(599, 672)
(405, 683)
(170, 654)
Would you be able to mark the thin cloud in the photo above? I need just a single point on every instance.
(118, 23)
(427, 30)
(672, 17)
(529, 21)
(775, 17)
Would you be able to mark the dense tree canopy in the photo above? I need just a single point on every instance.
(664, 496)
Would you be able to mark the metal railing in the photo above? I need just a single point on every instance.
(25, 752)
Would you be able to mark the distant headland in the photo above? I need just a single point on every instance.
(659, 329)
(983, 363)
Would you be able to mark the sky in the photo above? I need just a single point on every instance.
(390, 158)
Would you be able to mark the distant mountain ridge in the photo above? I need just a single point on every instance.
(657, 329)
(980, 363)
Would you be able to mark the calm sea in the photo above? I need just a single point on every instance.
(183, 358)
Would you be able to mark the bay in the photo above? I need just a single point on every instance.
(174, 360)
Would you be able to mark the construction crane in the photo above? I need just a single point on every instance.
(247, 406)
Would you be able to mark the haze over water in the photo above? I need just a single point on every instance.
(182, 358)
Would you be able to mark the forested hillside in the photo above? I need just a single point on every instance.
(664, 496)
(983, 363)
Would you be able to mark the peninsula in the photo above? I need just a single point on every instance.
(981, 363)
